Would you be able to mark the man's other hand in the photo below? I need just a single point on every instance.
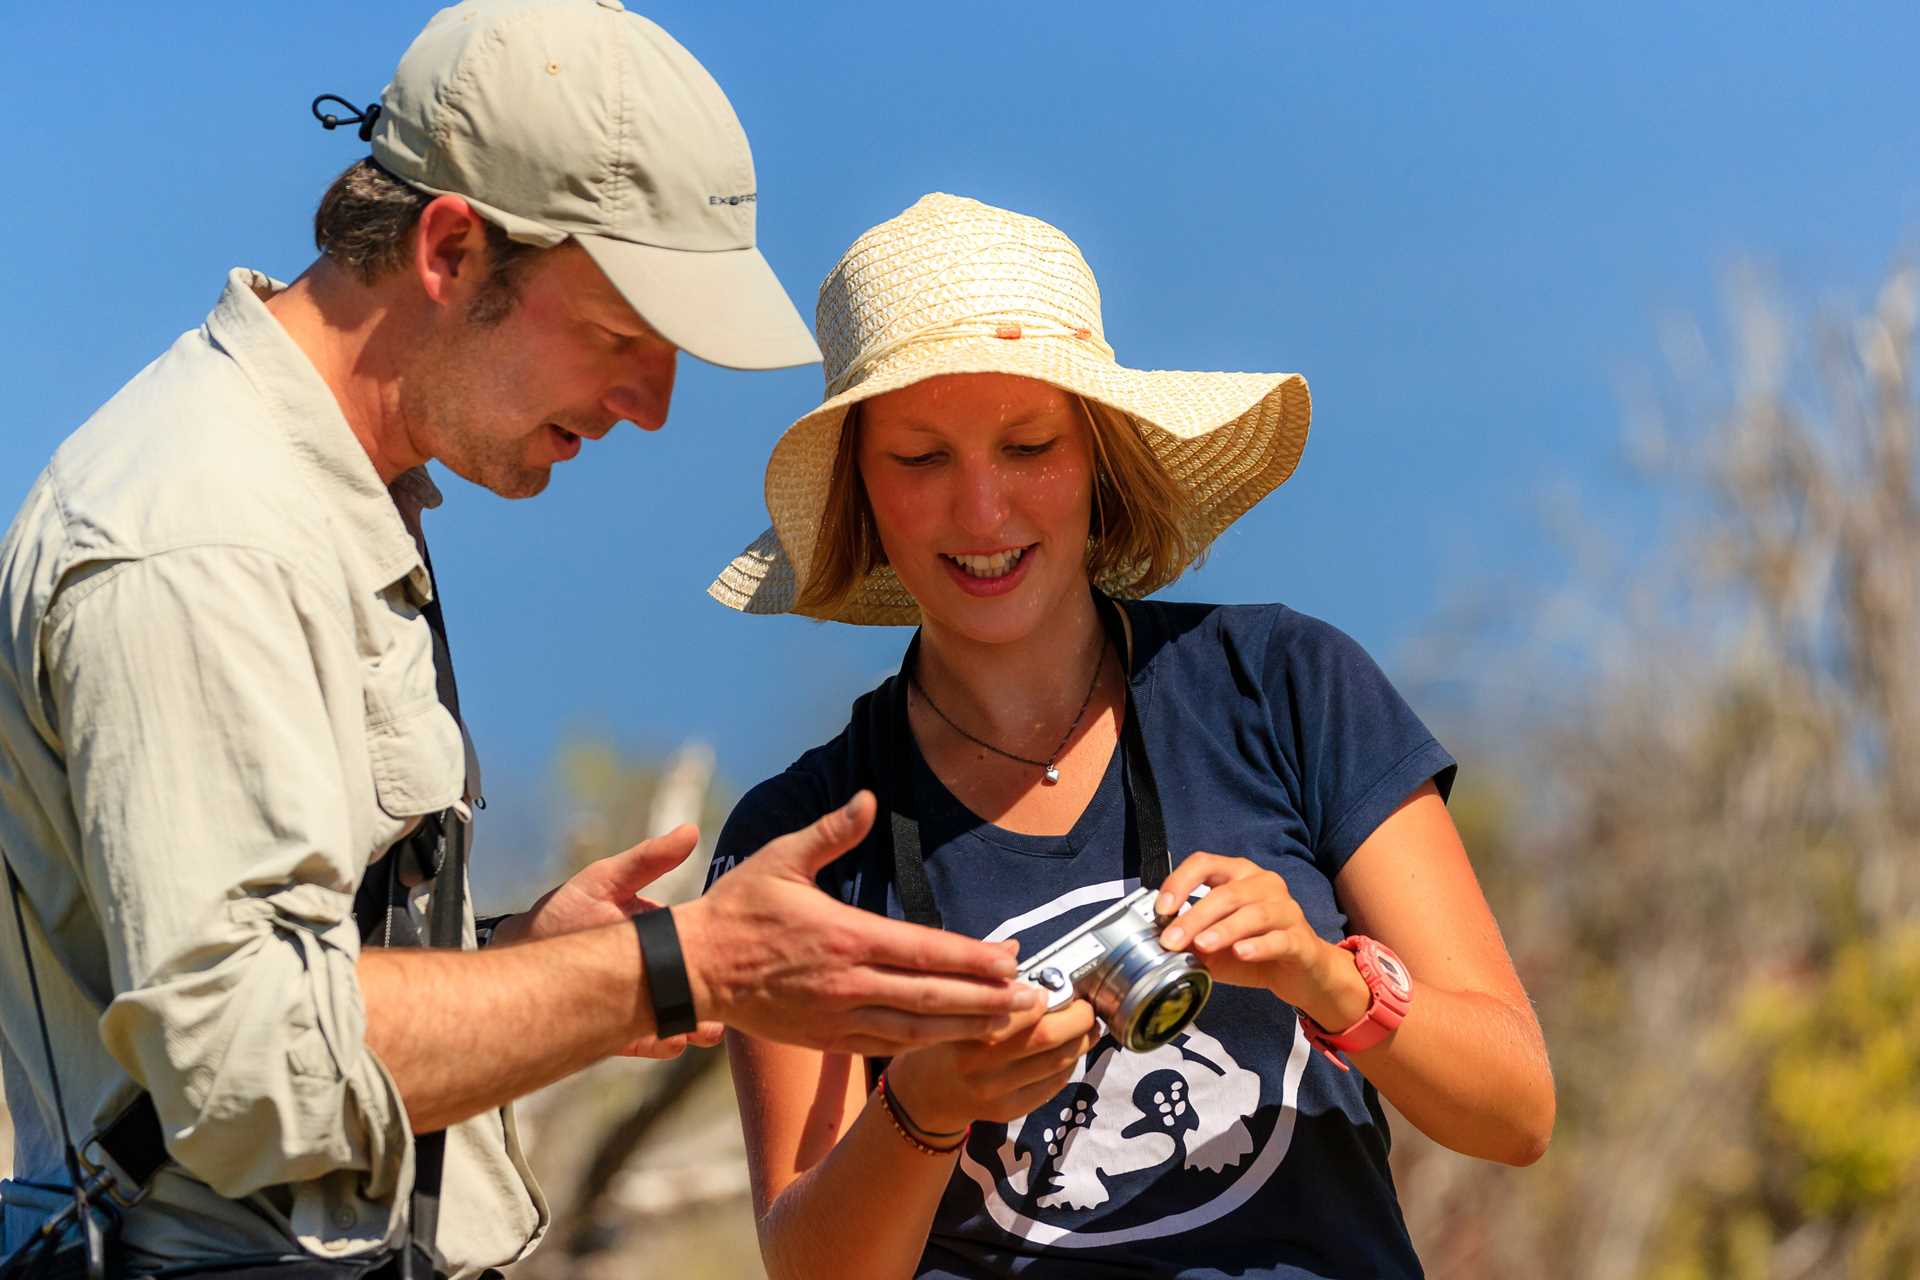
(605, 892)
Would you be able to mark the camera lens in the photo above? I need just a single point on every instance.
(1150, 995)
(1161, 1004)
(1144, 993)
(1167, 1014)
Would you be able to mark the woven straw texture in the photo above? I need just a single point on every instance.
(956, 286)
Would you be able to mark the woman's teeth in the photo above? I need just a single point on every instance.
(997, 565)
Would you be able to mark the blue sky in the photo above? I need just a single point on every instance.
(1464, 224)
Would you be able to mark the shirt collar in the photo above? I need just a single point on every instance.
(303, 407)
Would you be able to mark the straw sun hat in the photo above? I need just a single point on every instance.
(956, 286)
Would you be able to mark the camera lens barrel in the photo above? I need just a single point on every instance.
(1144, 993)
(1147, 994)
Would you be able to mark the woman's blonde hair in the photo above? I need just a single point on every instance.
(1141, 530)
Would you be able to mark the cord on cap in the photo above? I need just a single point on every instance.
(364, 117)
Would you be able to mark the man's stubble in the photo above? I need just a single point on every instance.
(460, 388)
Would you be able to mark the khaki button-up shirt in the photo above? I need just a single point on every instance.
(217, 706)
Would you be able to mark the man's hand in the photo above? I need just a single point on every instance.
(769, 953)
(607, 892)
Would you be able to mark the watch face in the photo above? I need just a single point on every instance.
(1393, 971)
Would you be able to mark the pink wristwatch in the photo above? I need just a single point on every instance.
(1386, 977)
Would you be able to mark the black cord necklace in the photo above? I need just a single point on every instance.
(1049, 770)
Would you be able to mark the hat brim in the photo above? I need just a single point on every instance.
(1229, 438)
(724, 306)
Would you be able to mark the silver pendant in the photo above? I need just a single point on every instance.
(1053, 773)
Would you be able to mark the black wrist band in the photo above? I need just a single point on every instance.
(666, 973)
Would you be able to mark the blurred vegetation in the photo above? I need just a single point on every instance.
(643, 1162)
(1705, 850)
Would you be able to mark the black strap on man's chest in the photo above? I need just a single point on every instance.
(436, 850)
(891, 739)
(440, 843)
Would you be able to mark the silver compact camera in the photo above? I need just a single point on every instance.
(1145, 993)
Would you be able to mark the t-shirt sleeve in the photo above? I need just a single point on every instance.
(1358, 748)
(782, 804)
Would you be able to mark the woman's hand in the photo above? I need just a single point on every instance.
(1249, 932)
(946, 1087)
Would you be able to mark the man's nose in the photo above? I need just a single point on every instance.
(644, 390)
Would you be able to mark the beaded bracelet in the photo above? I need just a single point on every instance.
(904, 1125)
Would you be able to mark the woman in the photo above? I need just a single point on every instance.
(984, 468)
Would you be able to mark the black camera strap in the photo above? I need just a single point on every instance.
(1146, 828)
(445, 929)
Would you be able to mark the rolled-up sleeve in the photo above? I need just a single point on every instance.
(201, 695)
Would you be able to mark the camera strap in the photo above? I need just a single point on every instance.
(1147, 854)
(445, 929)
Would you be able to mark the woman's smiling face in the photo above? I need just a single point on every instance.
(981, 486)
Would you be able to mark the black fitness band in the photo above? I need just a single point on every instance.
(666, 973)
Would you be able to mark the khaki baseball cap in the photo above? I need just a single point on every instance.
(575, 118)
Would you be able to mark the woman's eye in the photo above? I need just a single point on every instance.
(916, 459)
(1031, 450)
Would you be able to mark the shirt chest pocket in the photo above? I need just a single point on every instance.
(414, 746)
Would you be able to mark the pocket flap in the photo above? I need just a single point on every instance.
(419, 760)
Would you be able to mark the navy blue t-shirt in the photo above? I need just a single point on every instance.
(1234, 1151)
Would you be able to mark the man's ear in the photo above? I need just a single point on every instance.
(449, 250)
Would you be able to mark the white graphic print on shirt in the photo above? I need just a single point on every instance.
(1186, 1103)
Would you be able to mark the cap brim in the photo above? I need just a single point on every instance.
(725, 306)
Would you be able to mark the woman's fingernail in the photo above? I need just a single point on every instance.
(1206, 940)
(1172, 938)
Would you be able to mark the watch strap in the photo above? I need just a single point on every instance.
(667, 983)
(1386, 1008)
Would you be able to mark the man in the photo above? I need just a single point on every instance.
(227, 710)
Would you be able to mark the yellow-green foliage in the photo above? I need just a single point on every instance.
(1837, 1059)
(1843, 1079)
